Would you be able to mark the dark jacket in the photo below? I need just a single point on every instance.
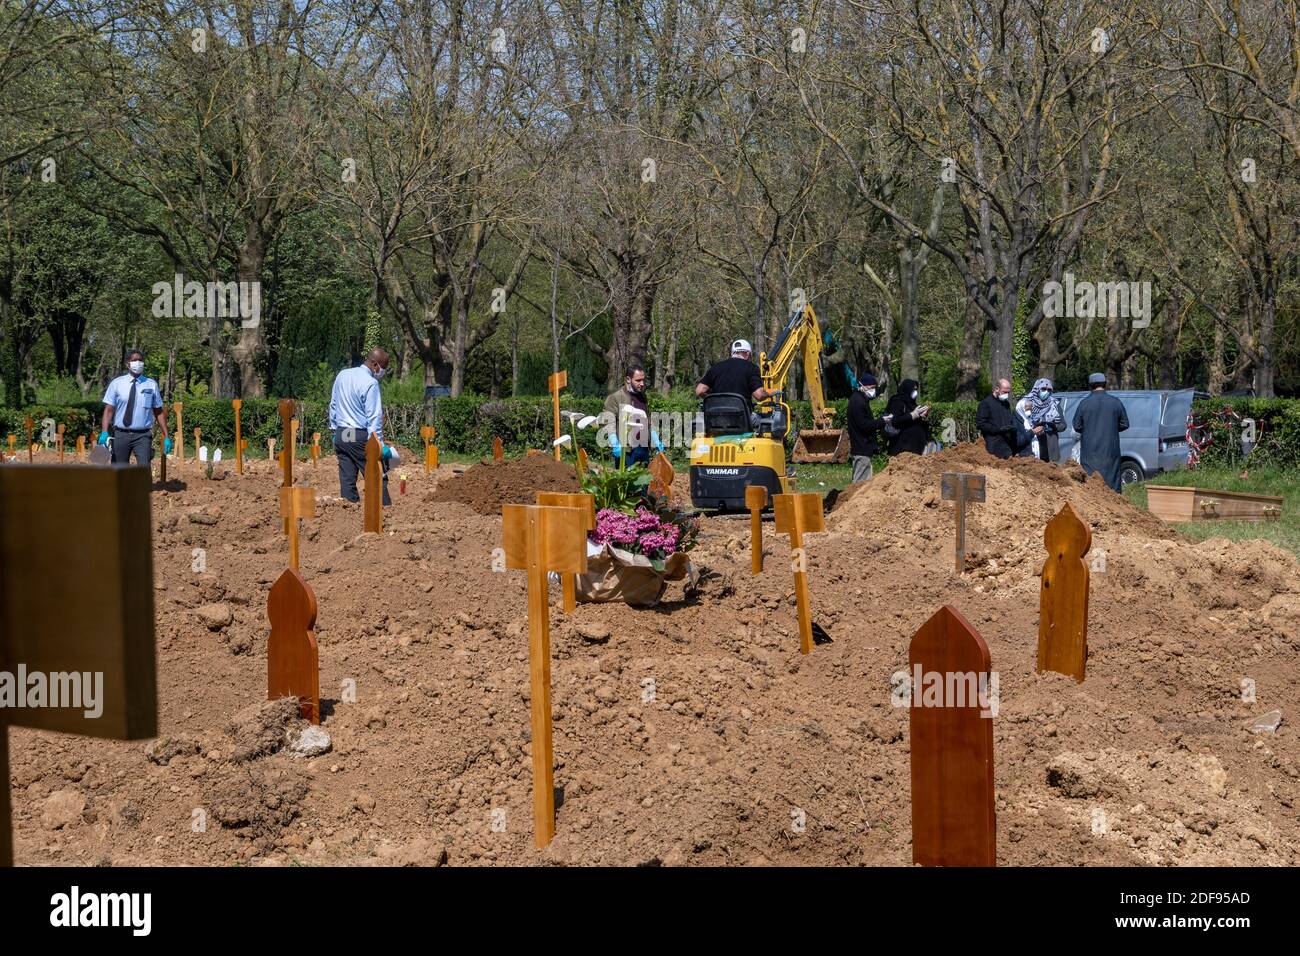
(1000, 426)
(864, 427)
(1099, 421)
(913, 434)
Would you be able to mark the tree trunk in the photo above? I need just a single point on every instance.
(970, 360)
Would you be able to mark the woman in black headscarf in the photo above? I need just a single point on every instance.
(910, 428)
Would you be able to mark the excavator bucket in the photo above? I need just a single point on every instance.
(821, 446)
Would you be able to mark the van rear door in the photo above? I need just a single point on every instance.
(1173, 429)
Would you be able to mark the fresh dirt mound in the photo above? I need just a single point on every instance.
(489, 485)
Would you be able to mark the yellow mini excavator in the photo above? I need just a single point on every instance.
(738, 449)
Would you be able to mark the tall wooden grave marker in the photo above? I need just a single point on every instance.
(59, 528)
(58, 440)
(662, 474)
(29, 423)
(498, 449)
(237, 404)
(292, 657)
(797, 515)
(961, 487)
(755, 501)
(296, 503)
(286, 434)
(953, 822)
(1063, 595)
(373, 505)
(180, 440)
(430, 449)
(538, 540)
(586, 504)
(556, 383)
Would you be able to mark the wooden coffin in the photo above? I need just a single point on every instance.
(1206, 504)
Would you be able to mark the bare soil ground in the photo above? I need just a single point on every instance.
(1151, 760)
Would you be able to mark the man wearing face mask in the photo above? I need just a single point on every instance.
(132, 403)
(909, 424)
(624, 409)
(998, 423)
(356, 413)
(863, 428)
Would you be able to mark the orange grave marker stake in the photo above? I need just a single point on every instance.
(292, 657)
(584, 503)
(1063, 595)
(498, 449)
(540, 539)
(198, 441)
(28, 422)
(556, 383)
(81, 447)
(661, 483)
(296, 502)
(430, 453)
(315, 449)
(286, 431)
(180, 440)
(13, 440)
(961, 487)
(237, 404)
(61, 527)
(755, 501)
(270, 453)
(373, 506)
(58, 440)
(953, 820)
(796, 515)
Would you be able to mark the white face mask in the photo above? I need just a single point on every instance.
(914, 394)
(871, 393)
(1004, 396)
(378, 373)
(135, 367)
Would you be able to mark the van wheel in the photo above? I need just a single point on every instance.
(1129, 472)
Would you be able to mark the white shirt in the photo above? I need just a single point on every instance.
(148, 396)
(355, 402)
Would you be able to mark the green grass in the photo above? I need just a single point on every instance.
(1285, 532)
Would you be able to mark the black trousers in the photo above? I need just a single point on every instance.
(352, 460)
(124, 443)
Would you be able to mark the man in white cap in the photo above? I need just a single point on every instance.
(737, 375)
(1099, 421)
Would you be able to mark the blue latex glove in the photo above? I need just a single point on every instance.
(103, 439)
(167, 446)
(388, 451)
(659, 446)
(615, 448)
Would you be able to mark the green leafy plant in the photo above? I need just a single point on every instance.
(617, 489)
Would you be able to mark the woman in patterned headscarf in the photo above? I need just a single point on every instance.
(1045, 419)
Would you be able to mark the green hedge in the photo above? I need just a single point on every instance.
(467, 425)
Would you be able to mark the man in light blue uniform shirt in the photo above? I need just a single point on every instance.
(356, 413)
(132, 403)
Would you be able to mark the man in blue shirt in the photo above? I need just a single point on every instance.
(132, 403)
(356, 413)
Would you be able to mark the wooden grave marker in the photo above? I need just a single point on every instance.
(538, 540)
(294, 424)
(961, 487)
(1063, 595)
(270, 453)
(81, 448)
(582, 465)
(662, 481)
(286, 431)
(296, 503)
(315, 449)
(755, 501)
(28, 422)
(292, 657)
(58, 441)
(198, 440)
(585, 503)
(13, 441)
(430, 450)
(59, 528)
(373, 505)
(556, 383)
(180, 440)
(797, 515)
(498, 449)
(237, 404)
(953, 820)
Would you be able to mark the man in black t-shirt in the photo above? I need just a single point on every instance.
(737, 375)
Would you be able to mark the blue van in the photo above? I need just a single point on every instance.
(1156, 438)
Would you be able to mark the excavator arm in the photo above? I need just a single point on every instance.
(802, 338)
